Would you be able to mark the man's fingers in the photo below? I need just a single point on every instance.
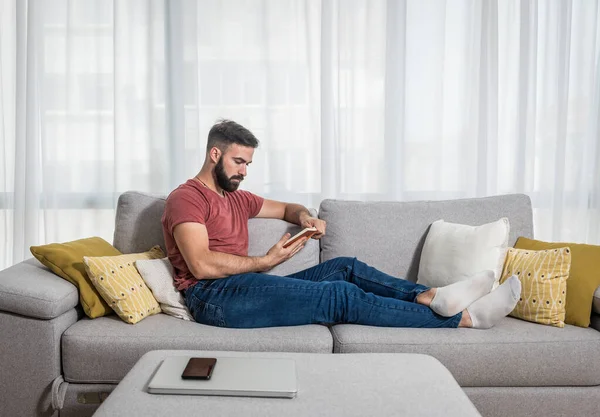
(321, 231)
(295, 251)
(297, 244)
(285, 238)
(321, 228)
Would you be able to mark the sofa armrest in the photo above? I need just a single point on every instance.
(32, 290)
(30, 353)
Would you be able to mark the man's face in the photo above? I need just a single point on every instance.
(230, 170)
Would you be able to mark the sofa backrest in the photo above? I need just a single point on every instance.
(138, 228)
(390, 235)
(137, 222)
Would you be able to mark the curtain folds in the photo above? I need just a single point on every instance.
(361, 99)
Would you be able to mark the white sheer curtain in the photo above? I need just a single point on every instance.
(355, 99)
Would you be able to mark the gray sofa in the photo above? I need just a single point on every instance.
(56, 361)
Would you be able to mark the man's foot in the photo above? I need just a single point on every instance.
(490, 309)
(454, 298)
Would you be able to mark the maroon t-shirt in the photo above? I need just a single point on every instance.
(225, 218)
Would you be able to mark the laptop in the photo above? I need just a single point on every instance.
(239, 377)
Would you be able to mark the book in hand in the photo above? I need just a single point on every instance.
(308, 232)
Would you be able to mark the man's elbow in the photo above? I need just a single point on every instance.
(204, 270)
(200, 271)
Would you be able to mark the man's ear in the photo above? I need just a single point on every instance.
(215, 154)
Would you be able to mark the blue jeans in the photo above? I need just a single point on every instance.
(341, 290)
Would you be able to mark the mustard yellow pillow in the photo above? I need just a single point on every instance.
(66, 261)
(543, 275)
(584, 277)
(121, 285)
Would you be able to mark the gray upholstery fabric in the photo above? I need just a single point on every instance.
(138, 228)
(74, 408)
(328, 385)
(264, 233)
(30, 289)
(390, 235)
(513, 353)
(137, 222)
(490, 401)
(104, 349)
(595, 321)
(596, 301)
(30, 354)
(536, 401)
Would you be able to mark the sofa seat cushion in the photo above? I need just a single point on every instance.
(513, 353)
(103, 350)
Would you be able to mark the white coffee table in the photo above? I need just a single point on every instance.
(362, 384)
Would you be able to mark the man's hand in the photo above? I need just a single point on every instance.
(307, 221)
(292, 213)
(278, 254)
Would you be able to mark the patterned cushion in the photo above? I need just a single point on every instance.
(120, 284)
(543, 276)
(584, 277)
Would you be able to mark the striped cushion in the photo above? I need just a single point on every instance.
(543, 276)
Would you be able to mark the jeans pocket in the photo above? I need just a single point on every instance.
(206, 313)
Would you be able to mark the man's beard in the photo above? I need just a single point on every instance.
(224, 181)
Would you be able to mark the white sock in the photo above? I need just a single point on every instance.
(490, 309)
(454, 298)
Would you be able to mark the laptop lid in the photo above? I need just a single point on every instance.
(248, 377)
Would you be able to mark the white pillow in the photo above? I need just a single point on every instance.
(454, 252)
(158, 276)
(596, 300)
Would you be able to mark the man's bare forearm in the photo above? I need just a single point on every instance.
(221, 265)
(294, 213)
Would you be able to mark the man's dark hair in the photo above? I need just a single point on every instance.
(226, 132)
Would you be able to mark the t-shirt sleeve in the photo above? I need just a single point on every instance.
(253, 202)
(183, 206)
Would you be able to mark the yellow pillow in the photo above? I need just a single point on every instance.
(66, 261)
(543, 275)
(584, 277)
(121, 285)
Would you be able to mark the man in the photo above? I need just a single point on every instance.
(205, 225)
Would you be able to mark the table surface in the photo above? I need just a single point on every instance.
(349, 384)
